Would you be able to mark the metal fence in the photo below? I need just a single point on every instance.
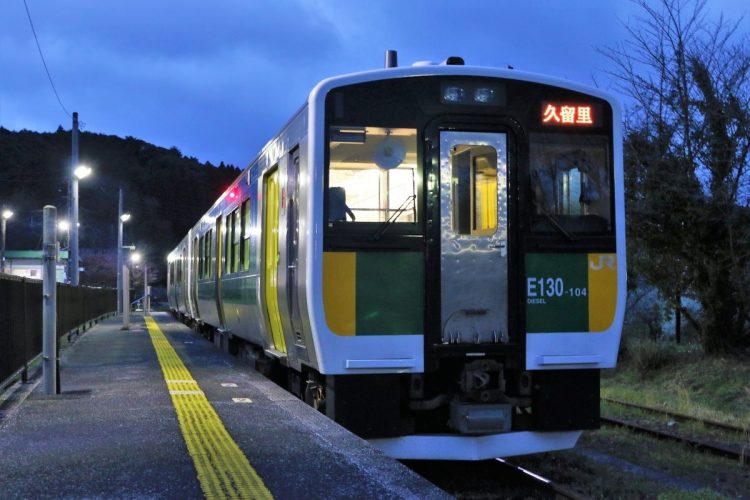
(21, 317)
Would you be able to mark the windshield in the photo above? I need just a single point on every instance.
(372, 174)
(570, 183)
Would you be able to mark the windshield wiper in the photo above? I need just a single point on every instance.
(395, 215)
(555, 223)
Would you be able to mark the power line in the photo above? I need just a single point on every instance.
(46, 69)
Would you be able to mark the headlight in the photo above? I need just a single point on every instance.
(484, 95)
(453, 94)
(473, 93)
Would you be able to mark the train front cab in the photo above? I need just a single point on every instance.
(472, 279)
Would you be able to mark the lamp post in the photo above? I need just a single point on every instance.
(121, 218)
(7, 214)
(137, 257)
(146, 291)
(79, 172)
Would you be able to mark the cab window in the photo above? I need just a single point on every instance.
(570, 183)
(372, 175)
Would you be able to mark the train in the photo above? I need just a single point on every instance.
(432, 255)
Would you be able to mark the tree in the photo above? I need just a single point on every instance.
(686, 158)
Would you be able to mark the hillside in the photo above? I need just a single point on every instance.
(165, 192)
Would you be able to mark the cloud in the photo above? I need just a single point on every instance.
(218, 79)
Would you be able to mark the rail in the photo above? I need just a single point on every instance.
(677, 415)
(554, 489)
(739, 452)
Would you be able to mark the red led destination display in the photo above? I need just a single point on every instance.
(569, 115)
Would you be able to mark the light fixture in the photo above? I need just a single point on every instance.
(7, 214)
(82, 171)
(453, 94)
(63, 225)
(484, 95)
(125, 217)
(135, 257)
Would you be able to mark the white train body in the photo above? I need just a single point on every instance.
(432, 255)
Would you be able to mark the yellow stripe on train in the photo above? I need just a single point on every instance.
(340, 291)
(602, 290)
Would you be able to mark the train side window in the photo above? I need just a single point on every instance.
(196, 258)
(204, 266)
(474, 189)
(227, 244)
(246, 227)
(569, 183)
(210, 254)
(179, 269)
(372, 174)
(236, 239)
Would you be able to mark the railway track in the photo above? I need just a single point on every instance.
(547, 485)
(495, 478)
(738, 452)
(678, 416)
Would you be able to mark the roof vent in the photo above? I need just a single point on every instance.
(454, 61)
(391, 59)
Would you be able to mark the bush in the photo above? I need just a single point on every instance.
(648, 356)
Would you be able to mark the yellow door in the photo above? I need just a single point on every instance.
(271, 258)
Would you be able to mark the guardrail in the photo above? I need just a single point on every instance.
(21, 318)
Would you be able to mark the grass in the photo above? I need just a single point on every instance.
(719, 475)
(589, 477)
(704, 494)
(682, 379)
(687, 428)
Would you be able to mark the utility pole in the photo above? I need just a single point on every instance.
(73, 208)
(126, 298)
(6, 214)
(119, 253)
(49, 301)
(146, 290)
(2, 247)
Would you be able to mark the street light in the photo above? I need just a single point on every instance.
(7, 214)
(135, 258)
(82, 171)
(79, 172)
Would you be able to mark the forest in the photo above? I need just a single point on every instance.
(164, 191)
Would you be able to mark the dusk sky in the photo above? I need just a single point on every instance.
(218, 79)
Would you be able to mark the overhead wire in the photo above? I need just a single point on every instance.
(41, 54)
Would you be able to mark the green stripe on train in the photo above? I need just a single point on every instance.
(557, 293)
(390, 293)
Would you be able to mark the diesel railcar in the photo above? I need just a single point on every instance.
(432, 255)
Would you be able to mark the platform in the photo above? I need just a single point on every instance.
(189, 422)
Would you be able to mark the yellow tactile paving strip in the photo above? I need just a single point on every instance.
(223, 470)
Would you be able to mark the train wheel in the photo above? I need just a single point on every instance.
(315, 394)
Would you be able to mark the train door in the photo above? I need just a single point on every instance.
(194, 278)
(219, 266)
(184, 281)
(474, 237)
(291, 298)
(271, 258)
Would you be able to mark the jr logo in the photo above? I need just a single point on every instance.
(604, 261)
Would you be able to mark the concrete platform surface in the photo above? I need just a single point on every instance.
(114, 431)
